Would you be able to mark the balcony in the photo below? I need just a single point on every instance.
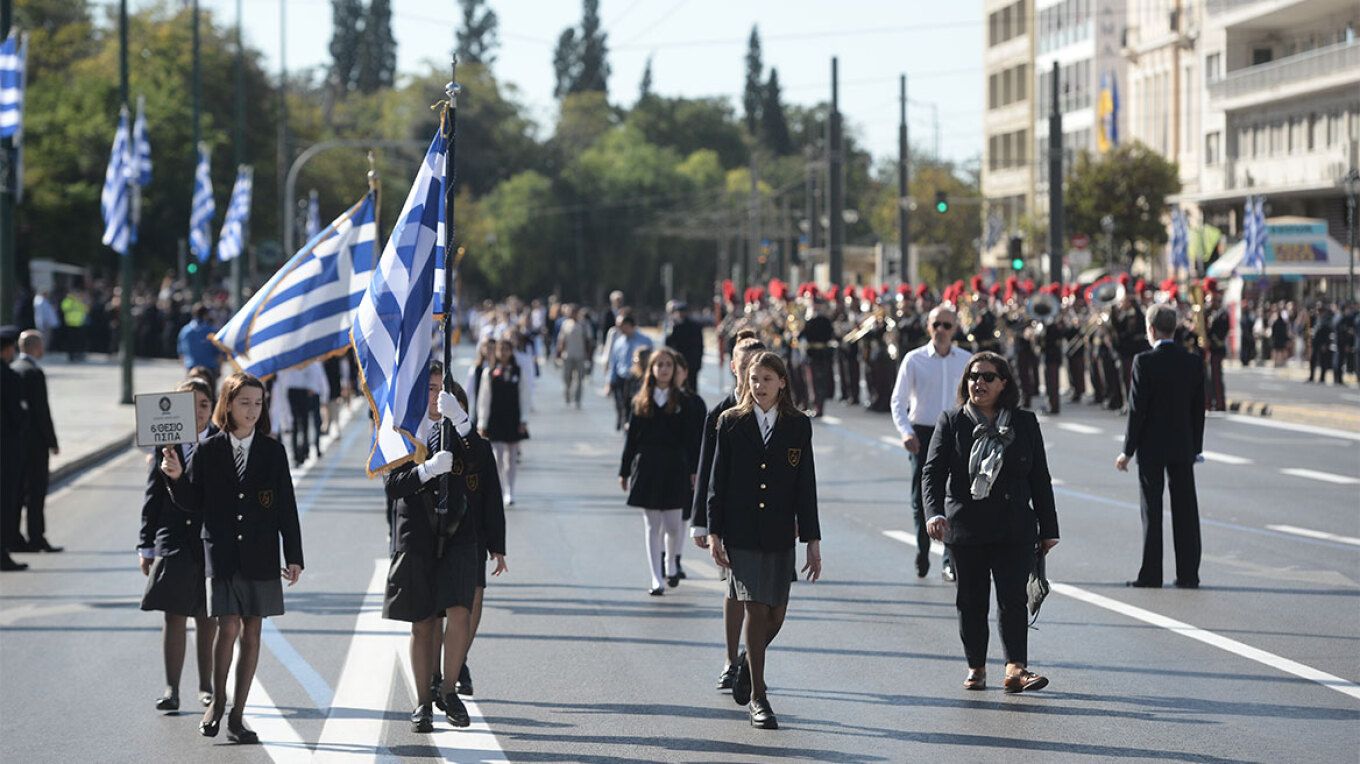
(1334, 66)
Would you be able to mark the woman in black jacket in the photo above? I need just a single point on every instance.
(660, 454)
(990, 498)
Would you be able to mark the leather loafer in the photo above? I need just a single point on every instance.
(741, 686)
(762, 716)
(948, 574)
(42, 546)
(672, 581)
(167, 703)
(464, 684)
(657, 592)
(455, 712)
(1025, 681)
(977, 680)
(1142, 584)
(727, 677)
(922, 565)
(422, 719)
(237, 733)
(8, 563)
(209, 728)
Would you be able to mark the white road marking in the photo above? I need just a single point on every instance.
(277, 736)
(1214, 456)
(1350, 397)
(1314, 534)
(832, 419)
(890, 440)
(1277, 662)
(1330, 432)
(1083, 429)
(1326, 477)
(1057, 481)
(317, 689)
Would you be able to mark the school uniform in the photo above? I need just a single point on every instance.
(440, 542)
(503, 402)
(172, 538)
(708, 442)
(762, 494)
(660, 452)
(243, 519)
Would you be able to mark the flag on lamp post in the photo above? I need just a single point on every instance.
(13, 65)
(231, 242)
(203, 208)
(139, 168)
(1180, 240)
(115, 198)
(313, 226)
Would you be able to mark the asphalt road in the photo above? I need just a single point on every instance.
(576, 663)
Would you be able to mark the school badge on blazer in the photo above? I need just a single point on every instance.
(795, 456)
(266, 498)
(458, 467)
(472, 481)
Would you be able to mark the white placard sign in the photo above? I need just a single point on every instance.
(164, 419)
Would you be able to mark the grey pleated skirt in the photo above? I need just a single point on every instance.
(243, 596)
(759, 576)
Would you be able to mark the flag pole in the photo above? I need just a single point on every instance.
(447, 435)
(125, 267)
(8, 192)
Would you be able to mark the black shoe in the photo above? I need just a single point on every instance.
(209, 728)
(19, 545)
(1142, 584)
(205, 698)
(762, 716)
(455, 712)
(41, 545)
(727, 677)
(1186, 584)
(679, 571)
(948, 574)
(237, 733)
(8, 563)
(464, 684)
(167, 702)
(437, 690)
(657, 592)
(922, 564)
(422, 719)
(672, 581)
(741, 686)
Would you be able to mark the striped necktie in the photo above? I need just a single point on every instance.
(766, 427)
(189, 449)
(240, 463)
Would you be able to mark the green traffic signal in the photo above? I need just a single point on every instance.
(1017, 264)
(193, 268)
(941, 202)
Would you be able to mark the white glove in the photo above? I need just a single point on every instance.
(438, 464)
(452, 411)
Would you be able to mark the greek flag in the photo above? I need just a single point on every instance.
(201, 213)
(313, 216)
(1180, 240)
(232, 241)
(13, 62)
(115, 198)
(394, 325)
(1254, 235)
(996, 228)
(140, 167)
(305, 310)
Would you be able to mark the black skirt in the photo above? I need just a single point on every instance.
(175, 586)
(419, 587)
(243, 596)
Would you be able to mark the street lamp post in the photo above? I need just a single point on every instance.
(1352, 188)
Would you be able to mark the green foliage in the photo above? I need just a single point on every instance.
(581, 59)
(377, 53)
(1129, 184)
(956, 232)
(476, 39)
(774, 126)
(691, 124)
(347, 18)
(753, 93)
(645, 86)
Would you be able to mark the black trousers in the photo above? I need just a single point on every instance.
(1051, 369)
(621, 402)
(1180, 479)
(300, 402)
(11, 500)
(977, 565)
(1217, 396)
(1076, 374)
(918, 505)
(34, 493)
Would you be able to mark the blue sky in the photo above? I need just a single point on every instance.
(698, 47)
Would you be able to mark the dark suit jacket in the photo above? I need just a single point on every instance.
(759, 494)
(242, 520)
(411, 503)
(687, 338)
(1166, 406)
(165, 527)
(1020, 507)
(660, 452)
(707, 444)
(12, 415)
(40, 433)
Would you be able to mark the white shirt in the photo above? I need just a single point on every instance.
(766, 419)
(927, 384)
(245, 444)
(660, 395)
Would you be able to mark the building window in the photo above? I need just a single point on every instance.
(1021, 82)
(991, 91)
(992, 36)
(1261, 56)
(1212, 66)
(1020, 20)
(1211, 149)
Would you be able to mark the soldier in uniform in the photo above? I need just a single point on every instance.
(1130, 338)
(878, 361)
(847, 355)
(1219, 323)
(816, 340)
(1051, 342)
(1074, 346)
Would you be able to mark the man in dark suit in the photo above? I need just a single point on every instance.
(40, 441)
(12, 416)
(686, 337)
(1166, 433)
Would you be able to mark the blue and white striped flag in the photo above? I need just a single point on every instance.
(232, 241)
(305, 310)
(394, 325)
(140, 167)
(1254, 236)
(313, 226)
(116, 197)
(13, 64)
(996, 228)
(203, 209)
(1180, 240)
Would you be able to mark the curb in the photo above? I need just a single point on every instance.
(1250, 408)
(81, 463)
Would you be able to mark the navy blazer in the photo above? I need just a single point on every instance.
(1166, 406)
(660, 452)
(242, 520)
(1020, 507)
(165, 528)
(411, 503)
(39, 431)
(761, 494)
(707, 443)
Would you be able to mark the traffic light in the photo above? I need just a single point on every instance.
(941, 202)
(193, 268)
(1017, 254)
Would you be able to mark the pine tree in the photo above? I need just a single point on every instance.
(645, 87)
(774, 128)
(477, 39)
(566, 63)
(347, 17)
(752, 95)
(594, 75)
(377, 67)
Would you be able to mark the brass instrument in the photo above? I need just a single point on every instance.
(865, 326)
(1103, 299)
(1042, 308)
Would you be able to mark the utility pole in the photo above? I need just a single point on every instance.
(285, 204)
(836, 229)
(125, 267)
(753, 222)
(8, 192)
(238, 297)
(1055, 183)
(198, 133)
(903, 175)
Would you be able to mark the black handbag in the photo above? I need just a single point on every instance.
(1037, 588)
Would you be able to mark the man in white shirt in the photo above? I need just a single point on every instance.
(574, 346)
(927, 384)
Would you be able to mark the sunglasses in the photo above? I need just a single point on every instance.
(942, 325)
(986, 376)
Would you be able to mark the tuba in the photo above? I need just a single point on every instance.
(1042, 308)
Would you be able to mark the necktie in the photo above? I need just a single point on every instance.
(189, 449)
(443, 504)
(766, 427)
(240, 463)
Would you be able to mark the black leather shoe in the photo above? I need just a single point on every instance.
(455, 712)
(922, 565)
(464, 684)
(762, 716)
(657, 592)
(19, 545)
(679, 571)
(237, 733)
(1186, 584)
(1142, 584)
(672, 581)
(948, 574)
(437, 690)
(727, 677)
(741, 686)
(209, 728)
(41, 545)
(422, 719)
(8, 563)
(167, 703)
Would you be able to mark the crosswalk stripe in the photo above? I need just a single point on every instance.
(1326, 477)
(1214, 456)
(1314, 534)
(1082, 429)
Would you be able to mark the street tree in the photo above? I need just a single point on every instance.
(477, 39)
(1129, 184)
(645, 86)
(581, 58)
(774, 126)
(377, 50)
(753, 93)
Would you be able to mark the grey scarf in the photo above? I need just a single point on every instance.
(989, 445)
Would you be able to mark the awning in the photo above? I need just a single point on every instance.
(1294, 247)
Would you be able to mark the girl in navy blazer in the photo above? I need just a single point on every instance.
(762, 497)
(990, 499)
(239, 484)
(170, 554)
